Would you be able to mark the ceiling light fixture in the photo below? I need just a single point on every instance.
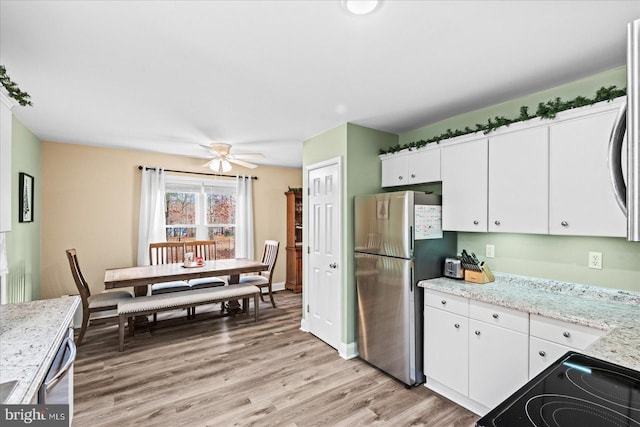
(220, 165)
(360, 7)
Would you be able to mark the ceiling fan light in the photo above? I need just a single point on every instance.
(226, 166)
(215, 165)
(360, 7)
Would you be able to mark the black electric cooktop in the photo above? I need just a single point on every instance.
(576, 390)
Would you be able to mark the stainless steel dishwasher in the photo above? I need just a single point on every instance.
(57, 387)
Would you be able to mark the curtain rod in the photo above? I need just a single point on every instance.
(194, 173)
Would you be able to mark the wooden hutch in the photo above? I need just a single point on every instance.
(294, 240)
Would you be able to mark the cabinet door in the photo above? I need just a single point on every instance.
(424, 166)
(498, 362)
(5, 167)
(394, 171)
(464, 186)
(446, 348)
(581, 200)
(542, 354)
(518, 182)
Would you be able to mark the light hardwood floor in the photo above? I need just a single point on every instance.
(231, 371)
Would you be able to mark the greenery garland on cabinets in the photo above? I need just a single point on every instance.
(546, 110)
(12, 88)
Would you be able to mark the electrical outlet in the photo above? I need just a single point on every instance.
(595, 260)
(490, 251)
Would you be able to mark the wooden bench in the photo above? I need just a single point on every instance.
(150, 304)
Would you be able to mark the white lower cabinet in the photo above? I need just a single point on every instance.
(446, 358)
(498, 362)
(476, 354)
(551, 338)
(543, 353)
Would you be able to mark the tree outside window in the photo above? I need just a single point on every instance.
(197, 210)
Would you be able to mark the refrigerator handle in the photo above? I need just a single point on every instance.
(411, 278)
(411, 239)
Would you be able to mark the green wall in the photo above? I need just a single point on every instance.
(358, 147)
(23, 242)
(552, 257)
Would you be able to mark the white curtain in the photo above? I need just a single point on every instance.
(244, 217)
(152, 210)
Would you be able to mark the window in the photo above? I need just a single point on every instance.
(199, 209)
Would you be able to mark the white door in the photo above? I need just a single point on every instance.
(323, 266)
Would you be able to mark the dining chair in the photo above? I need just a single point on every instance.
(103, 301)
(167, 253)
(263, 279)
(206, 249)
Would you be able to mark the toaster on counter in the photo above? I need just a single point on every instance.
(453, 268)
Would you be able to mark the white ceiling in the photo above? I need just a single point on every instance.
(264, 76)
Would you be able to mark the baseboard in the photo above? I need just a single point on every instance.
(304, 327)
(276, 287)
(456, 397)
(348, 350)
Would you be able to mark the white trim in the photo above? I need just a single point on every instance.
(6, 99)
(349, 350)
(456, 397)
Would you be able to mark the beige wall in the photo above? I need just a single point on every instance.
(90, 202)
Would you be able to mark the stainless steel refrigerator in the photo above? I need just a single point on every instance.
(398, 242)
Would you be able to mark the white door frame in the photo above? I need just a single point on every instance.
(343, 349)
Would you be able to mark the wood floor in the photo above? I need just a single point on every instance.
(231, 371)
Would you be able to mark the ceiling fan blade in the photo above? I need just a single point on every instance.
(242, 163)
(206, 165)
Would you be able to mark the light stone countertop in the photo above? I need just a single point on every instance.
(612, 310)
(30, 335)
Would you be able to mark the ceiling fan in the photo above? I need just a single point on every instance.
(222, 157)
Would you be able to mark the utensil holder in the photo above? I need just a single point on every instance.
(484, 276)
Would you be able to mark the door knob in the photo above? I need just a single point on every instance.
(333, 265)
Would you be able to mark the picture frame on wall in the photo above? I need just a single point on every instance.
(25, 195)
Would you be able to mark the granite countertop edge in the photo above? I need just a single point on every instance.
(614, 311)
(32, 374)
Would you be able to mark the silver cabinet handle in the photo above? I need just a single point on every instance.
(495, 315)
(477, 333)
(496, 222)
(542, 353)
(457, 326)
(333, 265)
(564, 224)
(475, 222)
(566, 334)
(443, 302)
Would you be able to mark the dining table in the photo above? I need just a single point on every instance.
(140, 277)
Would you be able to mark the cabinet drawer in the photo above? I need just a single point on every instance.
(500, 316)
(575, 336)
(450, 303)
(543, 353)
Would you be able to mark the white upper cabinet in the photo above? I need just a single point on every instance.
(464, 186)
(415, 167)
(5, 163)
(519, 181)
(581, 201)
